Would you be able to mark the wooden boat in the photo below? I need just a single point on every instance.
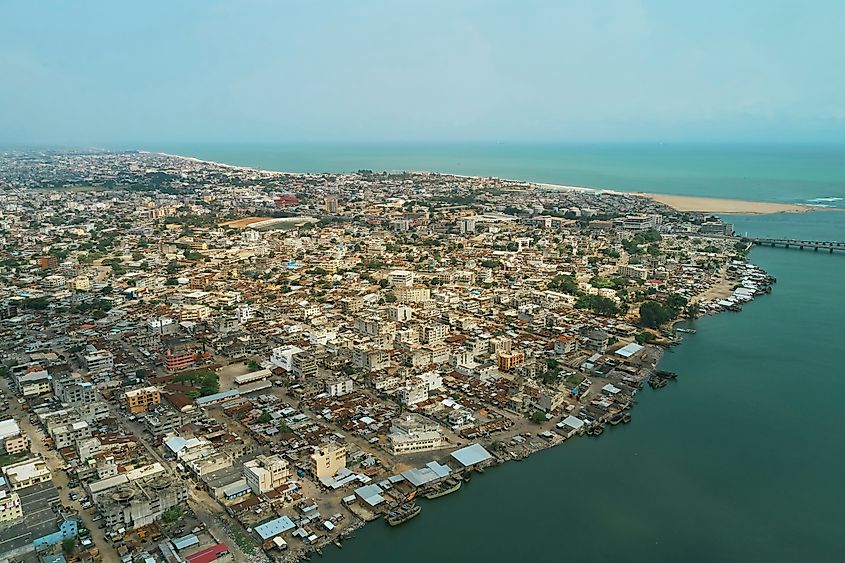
(402, 514)
(446, 488)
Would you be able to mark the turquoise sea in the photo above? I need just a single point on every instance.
(782, 173)
(741, 459)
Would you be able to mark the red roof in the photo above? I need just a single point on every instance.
(208, 554)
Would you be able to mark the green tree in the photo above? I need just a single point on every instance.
(645, 336)
(538, 417)
(676, 304)
(68, 545)
(172, 514)
(564, 283)
(597, 304)
(654, 314)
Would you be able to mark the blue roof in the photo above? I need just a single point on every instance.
(275, 527)
(431, 472)
(236, 489)
(218, 396)
(185, 542)
(629, 350)
(471, 455)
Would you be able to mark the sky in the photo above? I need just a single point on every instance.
(116, 73)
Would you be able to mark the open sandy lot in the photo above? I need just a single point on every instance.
(245, 222)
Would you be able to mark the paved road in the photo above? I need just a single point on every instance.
(207, 509)
(60, 479)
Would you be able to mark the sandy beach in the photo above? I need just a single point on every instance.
(679, 202)
(713, 205)
(700, 204)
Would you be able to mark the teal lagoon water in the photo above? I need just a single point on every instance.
(794, 174)
(741, 459)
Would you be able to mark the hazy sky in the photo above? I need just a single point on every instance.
(116, 72)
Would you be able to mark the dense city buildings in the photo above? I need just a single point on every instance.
(202, 360)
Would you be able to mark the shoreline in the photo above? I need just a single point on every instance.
(682, 203)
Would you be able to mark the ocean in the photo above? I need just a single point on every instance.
(740, 459)
(813, 175)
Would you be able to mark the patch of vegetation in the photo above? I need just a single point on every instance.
(564, 283)
(204, 379)
(597, 304)
(243, 542)
(7, 459)
(172, 515)
(654, 314)
(538, 417)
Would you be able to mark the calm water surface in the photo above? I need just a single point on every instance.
(741, 459)
(803, 174)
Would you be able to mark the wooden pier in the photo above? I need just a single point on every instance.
(816, 245)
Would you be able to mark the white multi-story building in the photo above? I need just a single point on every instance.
(413, 392)
(635, 272)
(339, 386)
(67, 435)
(98, 361)
(412, 294)
(74, 390)
(434, 333)
(414, 433)
(283, 357)
(34, 382)
(399, 313)
(401, 277)
(266, 473)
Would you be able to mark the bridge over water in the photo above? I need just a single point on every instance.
(816, 245)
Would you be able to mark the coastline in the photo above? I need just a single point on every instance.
(729, 206)
(700, 204)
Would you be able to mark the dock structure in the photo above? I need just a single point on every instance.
(816, 245)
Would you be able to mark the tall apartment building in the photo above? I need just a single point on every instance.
(635, 272)
(74, 390)
(327, 460)
(182, 354)
(266, 473)
(98, 361)
(401, 277)
(509, 361)
(339, 386)
(304, 365)
(412, 293)
(140, 400)
(434, 333)
(67, 435)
